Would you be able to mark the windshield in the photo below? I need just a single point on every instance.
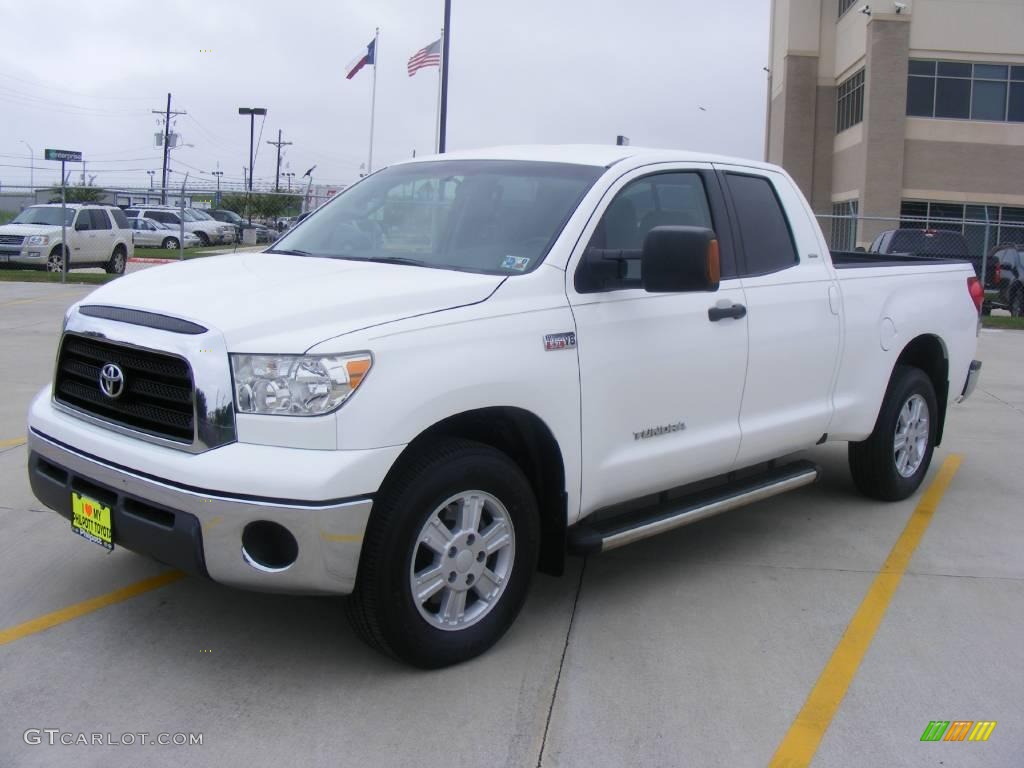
(493, 216)
(200, 215)
(39, 214)
(190, 215)
(229, 216)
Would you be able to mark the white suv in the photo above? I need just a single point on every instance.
(208, 232)
(98, 235)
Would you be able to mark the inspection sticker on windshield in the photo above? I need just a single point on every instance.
(518, 263)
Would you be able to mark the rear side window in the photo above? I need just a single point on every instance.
(764, 228)
(119, 218)
(99, 217)
(163, 217)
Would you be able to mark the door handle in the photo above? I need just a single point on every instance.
(735, 311)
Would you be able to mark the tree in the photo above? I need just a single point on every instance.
(262, 205)
(79, 194)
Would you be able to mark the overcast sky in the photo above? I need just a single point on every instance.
(85, 76)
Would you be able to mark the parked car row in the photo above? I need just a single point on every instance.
(208, 230)
(153, 234)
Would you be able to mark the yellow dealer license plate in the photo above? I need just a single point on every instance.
(91, 520)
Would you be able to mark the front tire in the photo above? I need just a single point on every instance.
(55, 261)
(891, 463)
(170, 244)
(448, 555)
(204, 239)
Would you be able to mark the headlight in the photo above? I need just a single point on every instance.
(297, 385)
(37, 240)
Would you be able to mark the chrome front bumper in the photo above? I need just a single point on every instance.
(972, 380)
(329, 535)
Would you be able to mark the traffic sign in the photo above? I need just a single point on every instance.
(64, 155)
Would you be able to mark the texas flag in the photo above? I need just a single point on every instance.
(364, 59)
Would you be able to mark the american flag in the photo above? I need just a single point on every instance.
(425, 57)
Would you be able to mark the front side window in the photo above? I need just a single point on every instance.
(764, 229)
(492, 216)
(664, 199)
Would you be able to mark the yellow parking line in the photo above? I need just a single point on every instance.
(801, 741)
(12, 442)
(64, 615)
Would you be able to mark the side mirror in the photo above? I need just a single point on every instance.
(82, 225)
(678, 259)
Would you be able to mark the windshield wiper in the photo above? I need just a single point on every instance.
(399, 260)
(292, 252)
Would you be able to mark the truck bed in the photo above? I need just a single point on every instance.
(862, 259)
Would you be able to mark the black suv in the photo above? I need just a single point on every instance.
(1009, 277)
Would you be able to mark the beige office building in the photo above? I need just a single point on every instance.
(912, 108)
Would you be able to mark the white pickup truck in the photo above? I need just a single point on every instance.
(465, 367)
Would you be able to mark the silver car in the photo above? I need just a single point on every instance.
(152, 234)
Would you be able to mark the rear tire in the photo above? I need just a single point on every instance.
(456, 524)
(1017, 304)
(891, 463)
(118, 260)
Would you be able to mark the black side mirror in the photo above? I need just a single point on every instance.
(677, 259)
(82, 226)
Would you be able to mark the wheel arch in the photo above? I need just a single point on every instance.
(928, 353)
(526, 439)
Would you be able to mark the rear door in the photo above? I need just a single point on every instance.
(104, 235)
(793, 307)
(660, 383)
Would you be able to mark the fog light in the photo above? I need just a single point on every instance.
(268, 546)
(34, 254)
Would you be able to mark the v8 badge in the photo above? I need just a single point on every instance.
(556, 341)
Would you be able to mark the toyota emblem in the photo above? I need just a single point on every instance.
(111, 381)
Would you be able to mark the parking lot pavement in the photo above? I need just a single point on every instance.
(697, 648)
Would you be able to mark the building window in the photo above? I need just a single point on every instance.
(984, 226)
(850, 102)
(965, 91)
(844, 225)
(845, 5)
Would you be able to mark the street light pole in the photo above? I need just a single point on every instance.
(31, 168)
(151, 175)
(218, 174)
(252, 112)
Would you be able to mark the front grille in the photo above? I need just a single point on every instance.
(158, 391)
(11, 239)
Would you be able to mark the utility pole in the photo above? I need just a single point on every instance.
(167, 136)
(278, 144)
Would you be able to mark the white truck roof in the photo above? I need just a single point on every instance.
(591, 154)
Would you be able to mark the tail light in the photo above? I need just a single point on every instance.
(977, 292)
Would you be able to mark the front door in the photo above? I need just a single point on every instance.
(661, 383)
(104, 235)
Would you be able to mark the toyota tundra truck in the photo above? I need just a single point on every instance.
(465, 368)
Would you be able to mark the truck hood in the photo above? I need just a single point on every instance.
(26, 230)
(265, 302)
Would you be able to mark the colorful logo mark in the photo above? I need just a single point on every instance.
(958, 730)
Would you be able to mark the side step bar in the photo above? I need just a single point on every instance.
(588, 536)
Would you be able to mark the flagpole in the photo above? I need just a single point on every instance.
(373, 96)
(437, 115)
(445, 34)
